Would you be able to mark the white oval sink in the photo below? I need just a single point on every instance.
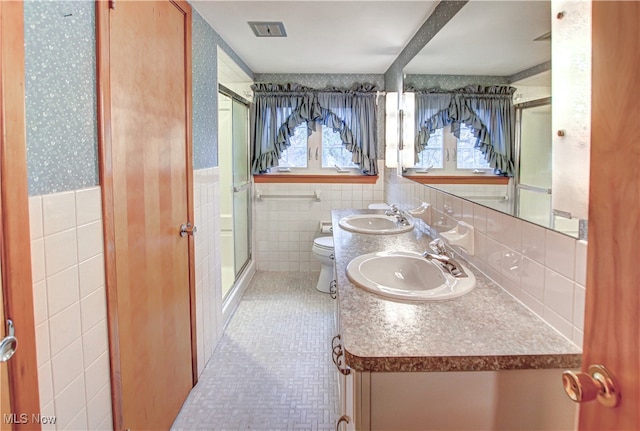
(376, 224)
(407, 275)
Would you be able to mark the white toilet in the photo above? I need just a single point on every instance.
(323, 251)
(378, 206)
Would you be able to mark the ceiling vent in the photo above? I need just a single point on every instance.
(267, 29)
(544, 37)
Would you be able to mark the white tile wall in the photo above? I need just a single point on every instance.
(70, 299)
(70, 309)
(545, 270)
(285, 228)
(209, 319)
(560, 253)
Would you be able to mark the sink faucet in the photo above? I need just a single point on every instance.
(392, 211)
(441, 257)
(398, 213)
(438, 247)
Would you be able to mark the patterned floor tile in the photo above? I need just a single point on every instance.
(272, 370)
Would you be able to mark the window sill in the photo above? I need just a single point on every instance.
(459, 179)
(315, 178)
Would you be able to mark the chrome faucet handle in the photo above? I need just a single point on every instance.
(438, 246)
(393, 210)
(402, 218)
(455, 268)
(448, 263)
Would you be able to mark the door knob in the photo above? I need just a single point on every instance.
(9, 344)
(188, 229)
(597, 383)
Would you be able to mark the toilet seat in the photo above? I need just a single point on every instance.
(323, 252)
(324, 242)
(378, 206)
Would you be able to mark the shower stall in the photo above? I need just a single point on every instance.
(235, 187)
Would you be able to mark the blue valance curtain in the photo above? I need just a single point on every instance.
(488, 111)
(279, 108)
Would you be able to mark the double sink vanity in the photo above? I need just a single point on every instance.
(419, 348)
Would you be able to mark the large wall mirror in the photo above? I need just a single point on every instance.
(506, 43)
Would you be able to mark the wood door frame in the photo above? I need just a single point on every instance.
(15, 235)
(611, 332)
(106, 180)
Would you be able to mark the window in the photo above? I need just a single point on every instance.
(295, 156)
(432, 155)
(323, 149)
(444, 151)
(468, 157)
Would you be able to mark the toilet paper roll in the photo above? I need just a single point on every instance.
(326, 228)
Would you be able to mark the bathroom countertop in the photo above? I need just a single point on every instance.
(484, 330)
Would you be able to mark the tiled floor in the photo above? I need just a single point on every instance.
(272, 369)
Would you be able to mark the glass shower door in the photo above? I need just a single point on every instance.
(533, 187)
(241, 185)
(235, 188)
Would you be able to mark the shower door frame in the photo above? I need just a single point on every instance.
(238, 274)
(517, 186)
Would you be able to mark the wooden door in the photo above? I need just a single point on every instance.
(5, 400)
(19, 376)
(147, 180)
(612, 328)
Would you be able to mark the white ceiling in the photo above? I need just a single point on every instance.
(488, 38)
(483, 38)
(322, 36)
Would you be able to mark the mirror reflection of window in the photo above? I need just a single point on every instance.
(467, 156)
(445, 151)
(432, 155)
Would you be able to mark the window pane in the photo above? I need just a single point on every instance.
(468, 156)
(431, 156)
(296, 155)
(333, 152)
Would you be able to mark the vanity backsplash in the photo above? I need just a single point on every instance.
(543, 269)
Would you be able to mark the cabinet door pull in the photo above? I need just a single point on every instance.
(337, 354)
(333, 341)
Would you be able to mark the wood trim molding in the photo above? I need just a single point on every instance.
(14, 214)
(315, 179)
(459, 179)
(106, 182)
